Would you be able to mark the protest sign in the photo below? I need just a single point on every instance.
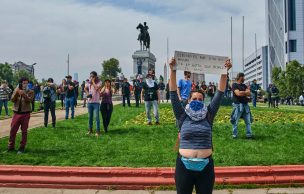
(200, 63)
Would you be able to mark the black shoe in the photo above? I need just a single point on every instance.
(45, 125)
(53, 125)
(250, 138)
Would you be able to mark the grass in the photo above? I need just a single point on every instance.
(130, 142)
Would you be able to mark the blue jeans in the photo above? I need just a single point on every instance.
(93, 110)
(148, 105)
(241, 110)
(254, 99)
(4, 102)
(69, 103)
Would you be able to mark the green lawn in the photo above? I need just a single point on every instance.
(130, 142)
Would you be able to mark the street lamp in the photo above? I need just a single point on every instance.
(33, 70)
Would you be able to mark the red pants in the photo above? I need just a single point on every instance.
(17, 121)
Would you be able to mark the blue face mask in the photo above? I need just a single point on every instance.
(196, 105)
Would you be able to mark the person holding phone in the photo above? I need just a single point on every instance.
(106, 107)
(92, 89)
(22, 99)
(69, 89)
(194, 163)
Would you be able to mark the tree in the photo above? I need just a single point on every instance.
(6, 72)
(110, 69)
(23, 73)
(295, 78)
(291, 81)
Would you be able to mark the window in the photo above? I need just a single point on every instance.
(291, 15)
(292, 45)
(286, 48)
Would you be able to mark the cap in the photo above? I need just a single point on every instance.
(68, 76)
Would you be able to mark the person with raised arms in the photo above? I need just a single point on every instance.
(194, 163)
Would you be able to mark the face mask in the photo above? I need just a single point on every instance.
(196, 105)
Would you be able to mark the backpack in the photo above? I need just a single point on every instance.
(47, 94)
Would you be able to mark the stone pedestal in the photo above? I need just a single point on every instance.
(143, 60)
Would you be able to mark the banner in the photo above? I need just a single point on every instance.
(200, 63)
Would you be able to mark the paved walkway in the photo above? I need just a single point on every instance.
(37, 119)
(67, 191)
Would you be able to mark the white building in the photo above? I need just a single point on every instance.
(256, 67)
(284, 32)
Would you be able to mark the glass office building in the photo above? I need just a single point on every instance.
(285, 32)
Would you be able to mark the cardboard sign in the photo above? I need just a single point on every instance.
(200, 63)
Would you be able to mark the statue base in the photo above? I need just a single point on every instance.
(143, 60)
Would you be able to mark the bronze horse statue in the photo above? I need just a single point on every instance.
(143, 37)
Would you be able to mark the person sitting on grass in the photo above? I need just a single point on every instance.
(194, 164)
(151, 96)
(22, 99)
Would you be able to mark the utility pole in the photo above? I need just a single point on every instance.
(243, 45)
(68, 64)
(167, 57)
(231, 56)
(256, 57)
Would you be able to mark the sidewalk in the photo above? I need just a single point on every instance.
(69, 191)
(37, 119)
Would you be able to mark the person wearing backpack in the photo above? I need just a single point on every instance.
(49, 101)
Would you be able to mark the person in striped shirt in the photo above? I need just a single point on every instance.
(5, 91)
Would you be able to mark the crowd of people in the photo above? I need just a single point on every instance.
(194, 118)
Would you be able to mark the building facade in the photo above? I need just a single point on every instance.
(256, 67)
(18, 66)
(284, 32)
(195, 77)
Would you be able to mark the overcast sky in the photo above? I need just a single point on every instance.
(44, 32)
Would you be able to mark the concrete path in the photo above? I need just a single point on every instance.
(67, 191)
(37, 119)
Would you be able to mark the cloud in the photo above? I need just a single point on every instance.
(46, 31)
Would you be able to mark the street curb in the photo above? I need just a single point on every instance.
(139, 178)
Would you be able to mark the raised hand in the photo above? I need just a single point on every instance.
(172, 64)
(228, 64)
